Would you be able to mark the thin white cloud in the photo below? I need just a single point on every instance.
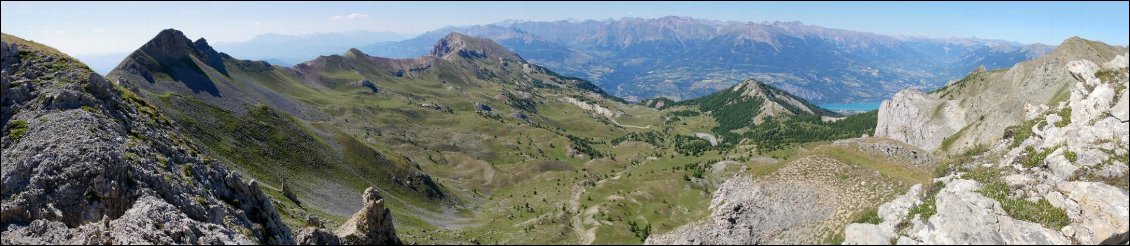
(98, 30)
(51, 32)
(257, 23)
(353, 16)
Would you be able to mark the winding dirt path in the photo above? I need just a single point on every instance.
(588, 216)
(638, 127)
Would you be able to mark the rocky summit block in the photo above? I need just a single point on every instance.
(370, 226)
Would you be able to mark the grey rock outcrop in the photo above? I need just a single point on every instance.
(799, 204)
(9, 52)
(483, 108)
(289, 194)
(910, 117)
(892, 150)
(370, 226)
(436, 106)
(79, 154)
(744, 213)
(315, 236)
(868, 234)
(315, 233)
(891, 212)
(367, 84)
(966, 217)
(1100, 213)
(591, 107)
(150, 221)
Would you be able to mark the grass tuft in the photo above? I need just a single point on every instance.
(1040, 211)
(17, 129)
(871, 216)
(1065, 114)
(1035, 158)
(929, 206)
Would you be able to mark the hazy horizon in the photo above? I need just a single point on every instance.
(105, 28)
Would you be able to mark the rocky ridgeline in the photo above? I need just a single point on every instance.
(1065, 167)
(87, 162)
(776, 103)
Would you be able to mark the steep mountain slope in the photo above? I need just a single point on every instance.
(1059, 176)
(242, 113)
(682, 58)
(170, 62)
(977, 109)
(86, 162)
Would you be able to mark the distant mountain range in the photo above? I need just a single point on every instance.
(684, 58)
(287, 50)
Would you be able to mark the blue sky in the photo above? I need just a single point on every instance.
(110, 27)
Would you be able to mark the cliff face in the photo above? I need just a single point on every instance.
(977, 109)
(910, 117)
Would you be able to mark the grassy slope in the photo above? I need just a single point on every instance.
(271, 146)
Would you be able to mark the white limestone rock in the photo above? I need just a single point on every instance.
(1103, 214)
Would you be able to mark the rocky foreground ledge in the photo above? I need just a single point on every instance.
(1059, 178)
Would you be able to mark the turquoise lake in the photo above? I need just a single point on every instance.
(852, 107)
